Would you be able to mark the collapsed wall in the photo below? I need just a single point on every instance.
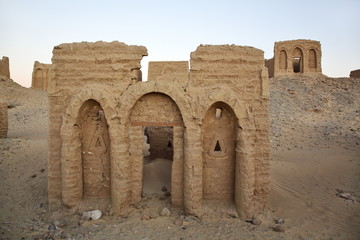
(40, 76)
(211, 116)
(4, 68)
(3, 120)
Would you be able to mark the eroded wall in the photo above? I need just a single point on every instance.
(4, 68)
(3, 120)
(40, 76)
(229, 77)
(297, 57)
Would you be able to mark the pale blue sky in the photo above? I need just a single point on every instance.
(172, 29)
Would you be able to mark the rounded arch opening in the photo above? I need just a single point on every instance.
(219, 142)
(39, 78)
(156, 128)
(312, 58)
(95, 150)
(283, 60)
(297, 60)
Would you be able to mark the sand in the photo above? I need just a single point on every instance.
(315, 155)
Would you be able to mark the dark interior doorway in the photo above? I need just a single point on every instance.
(297, 64)
(158, 157)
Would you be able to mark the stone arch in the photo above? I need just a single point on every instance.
(219, 135)
(71, 151)
(156, 109)
(239, 107)
(312, 58)
(136, 91)
(283, 60)
(298, 60)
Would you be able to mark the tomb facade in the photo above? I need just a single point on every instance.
(295, 57)
(211, 119)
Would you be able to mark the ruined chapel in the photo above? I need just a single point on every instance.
(213, 111)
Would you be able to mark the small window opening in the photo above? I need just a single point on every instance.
(296, 64)
(169, 144)
(217, 147)
(218, 113)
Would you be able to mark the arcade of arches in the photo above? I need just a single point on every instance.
(108, 129)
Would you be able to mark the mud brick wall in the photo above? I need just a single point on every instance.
(164, 69)
(3, 120)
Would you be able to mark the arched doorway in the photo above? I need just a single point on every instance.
(95, 151)
(156, 123)
(297, 60)
(219, 138)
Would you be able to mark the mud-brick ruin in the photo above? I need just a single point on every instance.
(40, 76)
(3, 120)
(210, 113)
(295, 57)
(4, 69)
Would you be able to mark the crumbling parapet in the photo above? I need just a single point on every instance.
(40, 76)
(4, 68)
(3, 120)
(297, 57)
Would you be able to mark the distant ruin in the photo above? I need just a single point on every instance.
(3, 120)
(40, 76)
(355, 74)
(211, 119)
(295, 57)
(4, 68)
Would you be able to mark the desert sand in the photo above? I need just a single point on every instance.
(315, 156)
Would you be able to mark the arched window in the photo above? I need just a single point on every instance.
(283, 60)
(297, 60)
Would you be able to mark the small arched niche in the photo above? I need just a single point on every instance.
(283, 60)
(95, 151)
(219, 135)
(39, 82)
(312, 58)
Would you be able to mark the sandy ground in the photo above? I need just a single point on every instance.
(315, 156)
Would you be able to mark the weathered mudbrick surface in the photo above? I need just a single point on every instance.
(40, 76)
(3, 120)
(212, 118)
(295, 57)
(4, 68)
